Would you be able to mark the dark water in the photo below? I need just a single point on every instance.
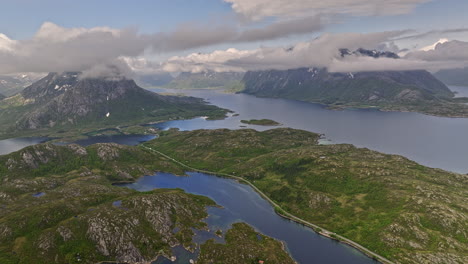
(14, 144)
(242, 203)
(130, 140)
(460, 91)
(432, 141)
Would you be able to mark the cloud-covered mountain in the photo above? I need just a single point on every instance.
(415, 90)
(66, 100)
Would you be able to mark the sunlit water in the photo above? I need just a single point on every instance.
(241, 203)
(432, 141)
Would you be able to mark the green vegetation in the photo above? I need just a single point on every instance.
(59, 205)
(404, 91)
(206, 80)
(393, 206)
(244, 245)
(261, 122)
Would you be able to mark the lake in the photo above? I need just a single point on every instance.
(14, 144)
(241, 203)
(432, 141)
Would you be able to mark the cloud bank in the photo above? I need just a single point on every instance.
(55, 48)
(323, 52)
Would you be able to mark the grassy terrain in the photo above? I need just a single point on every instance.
(244, 245)
(399, 209)
(261, 122)
(82, 218)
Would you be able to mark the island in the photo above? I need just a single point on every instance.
(261, 122)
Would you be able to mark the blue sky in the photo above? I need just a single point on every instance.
(20, 19)
(209, 25)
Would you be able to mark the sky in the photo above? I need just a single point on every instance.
(233, 35)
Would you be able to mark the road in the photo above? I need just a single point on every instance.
(284, 214)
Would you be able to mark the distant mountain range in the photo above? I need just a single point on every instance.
(60, 101)
(207, 79)
(12, 84)
(453, 76)
(416, 90)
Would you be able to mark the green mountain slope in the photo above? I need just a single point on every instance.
(397, 208)
(187, 80)
(61, 102)
(416, 91)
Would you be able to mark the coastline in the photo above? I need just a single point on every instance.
(319, 230)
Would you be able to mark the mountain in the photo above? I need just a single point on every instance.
(154, 80)
(416, 90)
(12, 84)
(207, 79)
(63, 101)
(2, 97)
(453, 76)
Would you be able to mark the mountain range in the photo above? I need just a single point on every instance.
(12, 84)
(63, 100)
(415, 90)
(457, 76)
(206, 79)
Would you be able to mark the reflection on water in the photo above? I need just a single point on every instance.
(14, 144)
(241, 203)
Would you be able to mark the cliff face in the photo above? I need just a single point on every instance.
(319, 85)
(60, 100)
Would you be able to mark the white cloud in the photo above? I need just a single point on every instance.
(55, 48)
(323, 52)
(433, 46)
(259, 9)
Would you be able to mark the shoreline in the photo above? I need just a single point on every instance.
(323, 232)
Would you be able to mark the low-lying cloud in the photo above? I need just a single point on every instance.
(55, 48)
(323, 52)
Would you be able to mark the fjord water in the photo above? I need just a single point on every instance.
(14, 144)
(241, 203)
(437, 142)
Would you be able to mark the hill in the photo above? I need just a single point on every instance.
(401, 210)
(453, 76)
(210, 79)
(61, 102)
(415, 90)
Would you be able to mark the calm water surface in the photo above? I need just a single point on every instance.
(432, 141)
(242, 203)
(14, 144)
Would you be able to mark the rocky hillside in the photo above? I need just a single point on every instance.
(453, 76)
(59, 206)
(210, 79)
(401, 210)
(63, 101)
(416, 90)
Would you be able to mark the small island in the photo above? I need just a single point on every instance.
(261, 122)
